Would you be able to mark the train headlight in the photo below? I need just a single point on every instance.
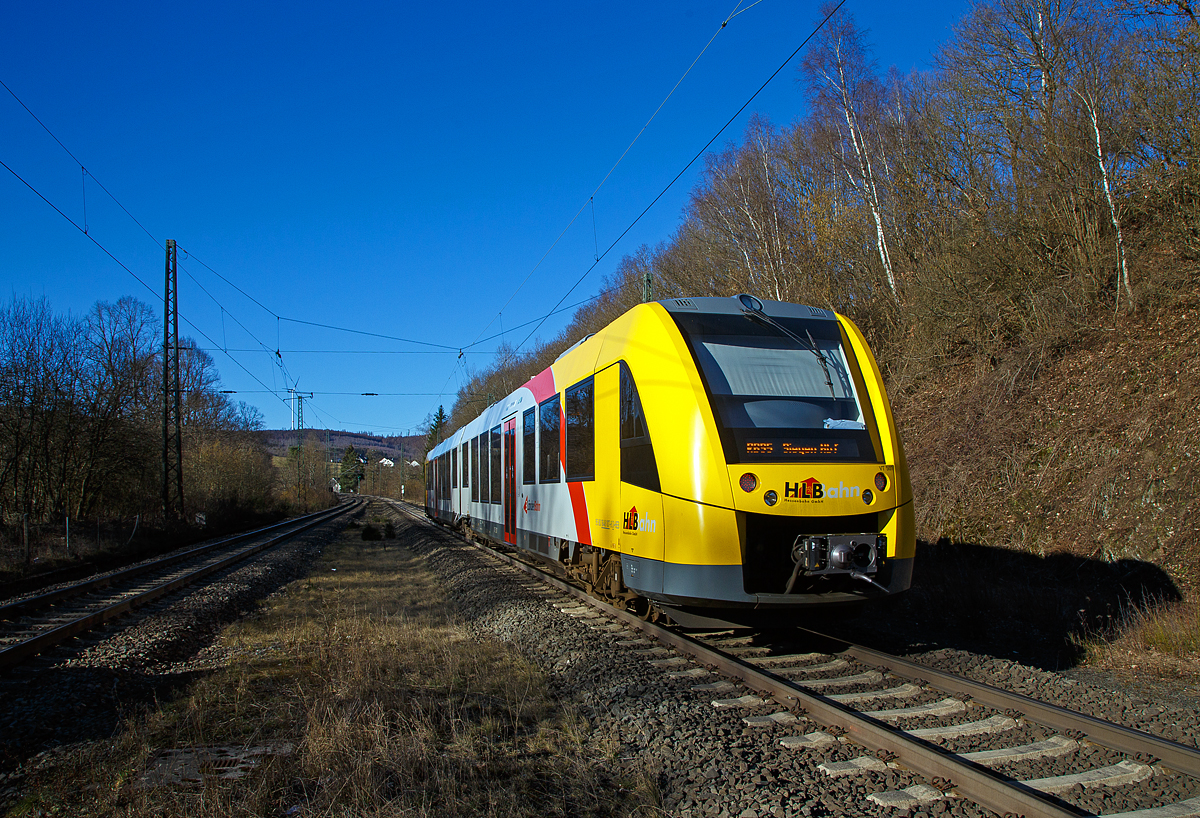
(770, 498)
(868, 496)
(881, 481)
(749, 482)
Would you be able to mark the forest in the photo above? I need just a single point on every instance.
(1017, 233)
(81, 433)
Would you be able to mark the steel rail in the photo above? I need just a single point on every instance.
(18, 653)
(19, 608)
(969, 780)
(1175, 756)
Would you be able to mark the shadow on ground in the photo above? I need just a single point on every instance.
(76, 705)
(1015, 605)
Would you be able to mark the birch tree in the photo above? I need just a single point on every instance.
(847, 94)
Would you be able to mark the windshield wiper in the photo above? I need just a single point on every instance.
(811, 345)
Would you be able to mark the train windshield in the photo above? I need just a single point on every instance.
(780, 397)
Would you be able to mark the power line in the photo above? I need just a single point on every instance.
(277, 360)
(671, 184)
(591, 199)
(290, 320)
(84, 229)
(318, 392)
(77, 227)
(81, 167)
(235, 360)
(318, 324)
(193, 325)
(232, 284)
(365, 351)
(370, 334)
(121, 264)
(224, 309)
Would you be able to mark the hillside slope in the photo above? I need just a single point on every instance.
(1093, 451)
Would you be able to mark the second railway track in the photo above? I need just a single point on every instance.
(950, 741)
(35, 624)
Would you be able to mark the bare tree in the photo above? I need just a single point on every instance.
(847, 96)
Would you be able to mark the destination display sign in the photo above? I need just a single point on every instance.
(800, 449)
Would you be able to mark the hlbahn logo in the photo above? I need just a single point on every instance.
(528, 506)
(810, 489)
(634, 523)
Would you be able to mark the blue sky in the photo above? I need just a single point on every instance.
(394, 168)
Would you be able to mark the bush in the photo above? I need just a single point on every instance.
(370, 532)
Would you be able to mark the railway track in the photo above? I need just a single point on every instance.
(970, 743)
(35, 624)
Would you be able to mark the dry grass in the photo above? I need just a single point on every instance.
(389, 706)
(1163, 641)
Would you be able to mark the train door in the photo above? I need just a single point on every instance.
(510, 480)
(642, 524)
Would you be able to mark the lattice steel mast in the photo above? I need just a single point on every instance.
(172, 454)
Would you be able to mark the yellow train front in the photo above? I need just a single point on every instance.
(700, 453)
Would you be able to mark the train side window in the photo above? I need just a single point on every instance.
(484, 461)
(548, 440)
(453, 468)
(581, 439)
(466, 464)
(496, 465)
(638, 467)
(528, 425)
(474, 470)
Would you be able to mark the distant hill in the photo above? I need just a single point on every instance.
(395, 447)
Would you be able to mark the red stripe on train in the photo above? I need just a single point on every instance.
(541, 385)
(583, 530)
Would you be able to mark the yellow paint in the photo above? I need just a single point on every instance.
(700, 534)
(696, 518)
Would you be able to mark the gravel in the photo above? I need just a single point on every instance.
(83, 689)
(702, 760)
(1172, 717)
(705, 761)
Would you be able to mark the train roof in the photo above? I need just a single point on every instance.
(734, 306)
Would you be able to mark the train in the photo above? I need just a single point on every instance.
(704, 459)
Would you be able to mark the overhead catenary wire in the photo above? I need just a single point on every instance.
(279, 318)
(591, 198)
(454, 352)
(84, 228)
(76, 225)
(223, 348)
(278, 360)
(85, 171)
(235, 360)
(215, 347)
(679, 175)
(122, 265)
